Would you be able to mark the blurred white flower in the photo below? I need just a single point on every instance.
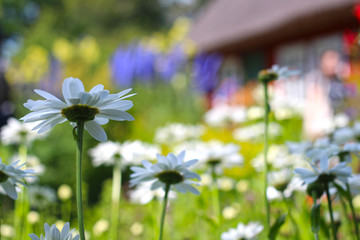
(137, 229)
(11, 176)
(95, 108)
(52, 233)
(213, 153)
(256, 131)
(280, 179)
(64, 192)
(225, 114)
(225, 183)
(16, 132)
(356, 201)
(242, 186)
(177, 132)
(295, 185)
(133, 152)
(41, 196)
(143, 194)
(343, 135)
(130, 153)
(242, 231)
(354, 183)
(7, 231)
(33, 217)
(255, 113)
(170, 171)
(298, 147)
(284, 113)
(278, 158)
(231, 212)
(100, 227)
(341, 120)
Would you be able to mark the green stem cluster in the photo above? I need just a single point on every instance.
(80, 213)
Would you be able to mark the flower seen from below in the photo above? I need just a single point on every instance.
(11, 176)
(52, 233)
(169, 171)
(94, 108)
(276, 72)
(323, 173)
(243, 232)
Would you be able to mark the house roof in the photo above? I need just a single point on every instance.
(242, 25)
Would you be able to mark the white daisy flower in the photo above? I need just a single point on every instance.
(16, 132)
(32, 162)
(280, 179)
(298, 147)
(52, 233)
(130, 152)
(95, 108)
(169, 170)
(213, 153)
(242, 231)
(340, 171)
(178, 132)
(143, 194)
(11, 176)
(41, 197)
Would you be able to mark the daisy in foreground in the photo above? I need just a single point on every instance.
(82, 109)
(169, 172)
(93, 108)
(242, 231)
(323, 174)
(52, 233)
(11, 176)
(319, 180)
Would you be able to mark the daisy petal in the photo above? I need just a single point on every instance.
(96, 131)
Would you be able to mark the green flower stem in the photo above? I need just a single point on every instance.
(1, 213)
(267, 204)
(167, 189)
(79, 141)
(215, 194)
(297, 234)
(348, 220)
(316, 232)
(22, 206)
(352, 211)
(116, 194)
(333, 227)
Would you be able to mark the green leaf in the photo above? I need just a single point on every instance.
(340, 190)
(315, 218)
(274, 229)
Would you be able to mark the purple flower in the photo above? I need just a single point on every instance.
(122, 67)
(169, 65)
(205, 69)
